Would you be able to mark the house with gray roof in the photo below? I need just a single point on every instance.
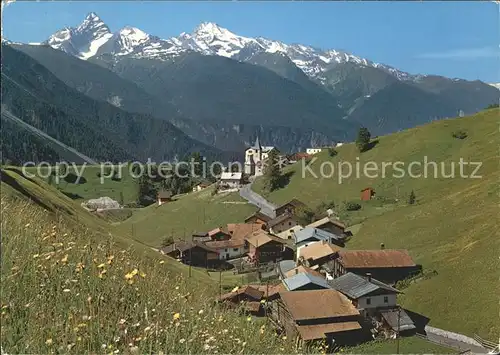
(284, 266)
(309, 235)
(366, 293)
(304, 281)
(397, 320)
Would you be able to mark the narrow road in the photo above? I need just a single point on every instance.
(254, 198)
(457, 341)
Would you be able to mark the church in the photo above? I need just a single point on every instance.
(255, 157)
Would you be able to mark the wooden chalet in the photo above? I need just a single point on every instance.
(258, 217)
(367, 194)
(264, 247)
(192, 253)
(291, 206)
(164, 196)
(385, 265)
(247, 297)
(318, 253)
(330, 224)
(317, 315)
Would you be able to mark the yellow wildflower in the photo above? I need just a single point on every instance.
(177, 316)
(79, 267)
(65, 259)
(36, 256)
(129, 276)
(100, 266)
(134, 272)
(48, 341)
(110, 259)
(235, 289)
(249, 319)
(66, 290)
(162, 261)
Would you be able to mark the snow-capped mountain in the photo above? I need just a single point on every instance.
(93, 38)
(211, 39)
(497, 85)
(131, 41)
(84, 40)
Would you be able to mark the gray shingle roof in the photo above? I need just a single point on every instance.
(355, 286)
(286, 265)
(281, 218)
(303, 279)
(310, 233)
(391, 317)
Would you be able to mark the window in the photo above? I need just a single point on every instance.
(289, 223)
(386, 299)
(368, 301)
(225, 249)
(235, 249)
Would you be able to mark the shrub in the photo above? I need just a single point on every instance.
(74, 179)
(459, 134)
(167, 241)
(352, 206)
(116, 177)
(332, 152)
(304, 215)
(412, 198)
(363, 139)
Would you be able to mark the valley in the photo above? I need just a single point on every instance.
(291, 96)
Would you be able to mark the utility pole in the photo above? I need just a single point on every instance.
(267, 296)
(190, 251)
(397, 336)
(220, 282)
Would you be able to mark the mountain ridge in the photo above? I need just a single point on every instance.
(219, 100)
(208, 38)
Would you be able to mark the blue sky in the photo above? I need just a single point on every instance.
(451, 38)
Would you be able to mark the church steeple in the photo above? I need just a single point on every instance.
(257, 144)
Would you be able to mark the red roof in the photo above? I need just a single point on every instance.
(375, 258)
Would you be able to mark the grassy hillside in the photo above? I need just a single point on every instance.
(194, 212)
(61, 207)
(90, 185)
(67, 288)
(407, 345)
(451, 229)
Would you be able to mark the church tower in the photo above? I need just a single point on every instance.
(253, 157)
